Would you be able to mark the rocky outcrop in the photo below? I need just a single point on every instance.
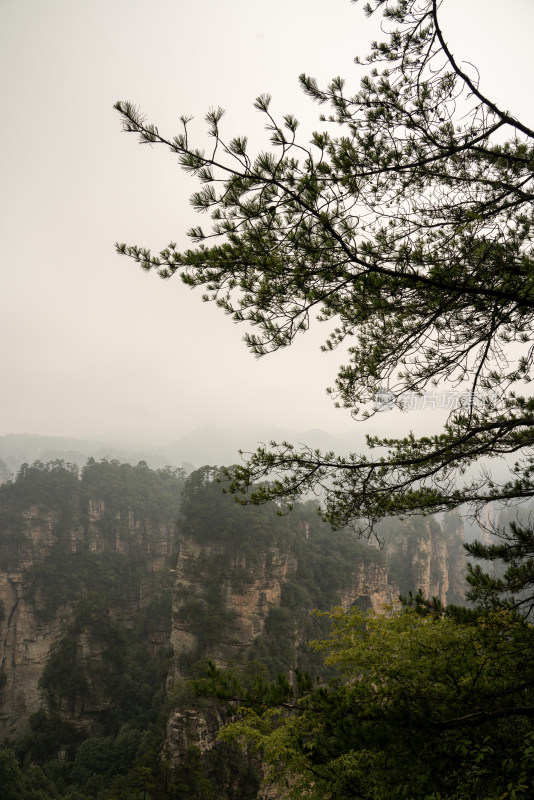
(430, 568)
(109, 531)
(191, 728)
(422, 555)
(25, 642)
(248, 593)
(245, 594)
(27, 632)
(24, 639)
(371, 588)
(453, 529)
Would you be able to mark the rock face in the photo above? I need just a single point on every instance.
(53, 553)
(453, 529)
(25, 644)
(27, 635)
(372, 588)
(86, 556)
(422, 555)
(245, 600)
(24, 641)
(245, 597)
(250, 599)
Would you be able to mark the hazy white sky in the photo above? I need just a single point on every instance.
(92, 345)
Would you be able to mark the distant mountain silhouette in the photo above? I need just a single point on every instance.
(208, 444)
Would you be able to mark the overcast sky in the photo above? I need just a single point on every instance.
(90, 344)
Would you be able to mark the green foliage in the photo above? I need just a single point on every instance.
(100, 759)
(39, 786)
(406, 224)
(125, 489)
(209, 515)
(124, 672)
(62, 576)
(3, 676)
(514, 549)
(224, 773)
(11, 778)
(53, 485)
(45, 736)
(129, 677)
(53, 496)
(43, 494)
(423, 707)
(63, 678)
(110, 653)
(325, 568)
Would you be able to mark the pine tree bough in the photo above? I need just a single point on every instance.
(406, 222)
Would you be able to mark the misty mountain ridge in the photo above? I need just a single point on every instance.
(207, 444)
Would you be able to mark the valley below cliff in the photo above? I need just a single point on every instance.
(119, 585)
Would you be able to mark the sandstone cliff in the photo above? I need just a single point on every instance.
(262, 611)
(26, 635)
(424, 555)
(53, 553)
(88, 565)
